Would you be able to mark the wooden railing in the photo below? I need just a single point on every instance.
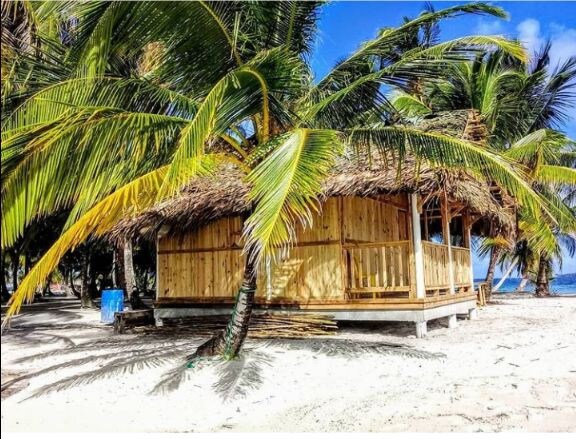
(461, 261)
(377, 269)
(436, 271)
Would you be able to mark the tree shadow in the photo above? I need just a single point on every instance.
(349, 348)
(158, 348)
(54, 315)
(234, 378)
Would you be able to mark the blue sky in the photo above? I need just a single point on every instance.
(346, 24)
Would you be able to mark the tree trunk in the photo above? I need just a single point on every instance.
(5, 294)
(228, 342)
(129, 277)
(47, 291)
(72, 287)
(504, 277)
(15, 260)
(145, 281)
(27, 264)
(114, 267)
(494, 256)
(542, 284)
(85, 293)
(523, 282)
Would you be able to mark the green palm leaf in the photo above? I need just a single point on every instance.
(445, 151)
(286, 186)
(138, 194)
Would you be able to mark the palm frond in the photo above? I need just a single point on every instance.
(86, 156)
(384, 44)
(283, 23)
(409, 105)
(557, 175)
(344, 93)
(133, 197)
(285, 186)
(445, 151)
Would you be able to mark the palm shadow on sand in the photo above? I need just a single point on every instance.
(127, 354)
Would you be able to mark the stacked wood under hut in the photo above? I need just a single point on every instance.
(266, 325)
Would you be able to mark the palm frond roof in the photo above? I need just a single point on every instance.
(225, 194)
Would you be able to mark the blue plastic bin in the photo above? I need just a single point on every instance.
(112, 301)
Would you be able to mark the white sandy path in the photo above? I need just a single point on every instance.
(514, 369)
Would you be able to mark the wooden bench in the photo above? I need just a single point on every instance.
(132, 318)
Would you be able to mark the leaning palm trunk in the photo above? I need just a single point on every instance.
(494, 256)
(542, 284)
(504, 277)
(228, 342)
(523, 281)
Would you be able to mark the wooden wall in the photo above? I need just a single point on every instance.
(312, 270)
(370, 220)
(203, 263)
(209, 263)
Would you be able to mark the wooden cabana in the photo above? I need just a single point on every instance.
(385, 246)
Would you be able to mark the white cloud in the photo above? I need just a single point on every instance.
(529, 34)
(484, 27)
(563, 42)
(563, 39)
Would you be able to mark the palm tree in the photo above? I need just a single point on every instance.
(550, 157)
(511, 105)
(229, 84)
(488, 87)
(550, 162)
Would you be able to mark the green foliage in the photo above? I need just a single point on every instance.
(148, 95)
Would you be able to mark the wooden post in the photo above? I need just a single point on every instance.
(268, 263)
(164, 230)
(468, 244)
(417, 248)
(447, 241)
(157, 266)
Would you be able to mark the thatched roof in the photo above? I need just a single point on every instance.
(207, 199)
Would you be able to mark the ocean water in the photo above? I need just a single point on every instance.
(562, 284)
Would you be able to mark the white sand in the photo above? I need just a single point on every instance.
(514, 369)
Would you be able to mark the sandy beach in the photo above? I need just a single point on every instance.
(513, 369)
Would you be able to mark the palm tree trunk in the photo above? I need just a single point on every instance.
(72, 287)
(85, 293)
(542, 284)
(145, 281)
(120, 276)
(129, 277)
(5, 294)
(523, 282)
(228, 342)
(504, 277)
(27, 264)
(15, 260)
(47, 291)
(494, 256)
(114, 268)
